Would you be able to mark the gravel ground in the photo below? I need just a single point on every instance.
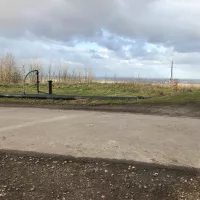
(30, 176)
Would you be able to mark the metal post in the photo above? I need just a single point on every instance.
(172, 68)
(50, 87)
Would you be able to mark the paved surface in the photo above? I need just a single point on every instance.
(158, 139)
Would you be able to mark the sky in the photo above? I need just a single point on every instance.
(124, 38)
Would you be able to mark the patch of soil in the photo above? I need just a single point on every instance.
(31, 176)
(180, 110)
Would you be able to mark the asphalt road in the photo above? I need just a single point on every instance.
(144, 138)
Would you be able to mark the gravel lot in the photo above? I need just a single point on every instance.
(30, 176)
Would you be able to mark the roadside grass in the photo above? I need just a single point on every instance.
(104, 89)
(160, 94)
(179, 98)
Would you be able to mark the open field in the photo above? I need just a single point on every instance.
(160, 93)
(115, 89)
(82, 82)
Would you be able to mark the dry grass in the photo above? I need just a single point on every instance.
(186, 85)
(104, 89)
(11, 72)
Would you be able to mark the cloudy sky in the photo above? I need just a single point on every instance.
(113, 37)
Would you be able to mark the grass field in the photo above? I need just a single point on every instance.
(159, 93)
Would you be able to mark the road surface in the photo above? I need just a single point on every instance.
(144, 138)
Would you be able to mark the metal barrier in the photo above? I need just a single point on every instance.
(37, 81)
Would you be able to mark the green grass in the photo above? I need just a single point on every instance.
(180, 98)
(159, 93)
(187, 98)
(116, 89)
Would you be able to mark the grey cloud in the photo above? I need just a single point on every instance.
(155, 21)
(187, 59)
(56, 19)
(95, 54)
(53, 52)
(109, 62)
(53, 28)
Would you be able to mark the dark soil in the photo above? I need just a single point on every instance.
(169, 109)
(30, 176)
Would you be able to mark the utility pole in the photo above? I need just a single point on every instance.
(172, 70)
